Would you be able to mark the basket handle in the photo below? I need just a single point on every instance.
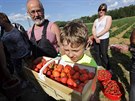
(40, 74)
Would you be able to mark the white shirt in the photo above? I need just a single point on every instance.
(100, 25)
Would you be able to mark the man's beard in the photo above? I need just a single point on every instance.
(39, 22)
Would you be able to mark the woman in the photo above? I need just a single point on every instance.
(100, 31)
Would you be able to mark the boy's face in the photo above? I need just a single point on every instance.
(74, 53)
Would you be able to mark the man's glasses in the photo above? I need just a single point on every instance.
(102, 10)
(35, 11)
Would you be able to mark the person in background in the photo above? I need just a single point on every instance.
(14, 46)
(100, 32)
(41, 31)
(74, 38)
(132, 72)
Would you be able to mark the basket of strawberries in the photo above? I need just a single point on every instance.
(104, 75)
(112, 89)
(68, 74)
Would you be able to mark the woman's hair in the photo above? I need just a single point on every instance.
(4, 17)
(103, 5)
(75, 33)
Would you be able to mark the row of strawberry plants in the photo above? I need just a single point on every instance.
(119, 30)
(128, 33)
(120, 22)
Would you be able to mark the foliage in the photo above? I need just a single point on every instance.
(85, 19)
(61, 23)
(89, 26)
(122, 12)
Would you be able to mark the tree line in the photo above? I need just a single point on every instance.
(122, 12)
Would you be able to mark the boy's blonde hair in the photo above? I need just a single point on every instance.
(75, 33)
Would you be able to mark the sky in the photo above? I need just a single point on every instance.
(58, 10)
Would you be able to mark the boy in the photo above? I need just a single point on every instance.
(73, 38)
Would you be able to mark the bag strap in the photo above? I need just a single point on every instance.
(45, 28)
(22, 31)
(46, 22)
